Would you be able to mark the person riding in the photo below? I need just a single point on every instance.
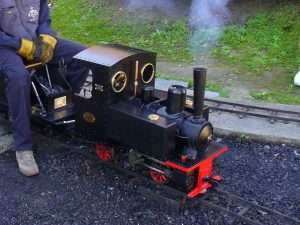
(26, 36)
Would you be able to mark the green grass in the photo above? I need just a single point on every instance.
(101, 23)
(267, 40)
(218, 88)
(277, 97)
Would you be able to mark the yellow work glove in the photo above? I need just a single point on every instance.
(27, 49)
(48, 47)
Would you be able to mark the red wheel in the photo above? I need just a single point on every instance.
(105, 153)
(158, 177)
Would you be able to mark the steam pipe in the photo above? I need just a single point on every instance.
(176, 99)
(199, 91)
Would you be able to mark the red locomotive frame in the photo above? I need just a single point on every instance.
(205, 172)
(203, 169)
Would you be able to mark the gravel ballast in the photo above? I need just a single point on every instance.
(74, 190)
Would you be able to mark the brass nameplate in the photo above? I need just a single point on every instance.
(60, 102)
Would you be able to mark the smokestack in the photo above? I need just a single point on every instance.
(199, 91)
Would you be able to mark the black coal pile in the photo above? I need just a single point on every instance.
(75, 190)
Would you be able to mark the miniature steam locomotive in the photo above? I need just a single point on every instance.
(169, 139)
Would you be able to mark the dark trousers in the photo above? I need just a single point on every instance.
(18, 86)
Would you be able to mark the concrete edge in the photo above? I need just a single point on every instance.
(267, 139)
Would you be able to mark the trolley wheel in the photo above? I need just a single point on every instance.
(104, 152)
(158, 177)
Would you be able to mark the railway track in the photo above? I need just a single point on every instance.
(243, 211)
(231, 208)
(243, 110)
(273, 115)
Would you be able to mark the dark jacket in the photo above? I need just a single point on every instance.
(23, 19)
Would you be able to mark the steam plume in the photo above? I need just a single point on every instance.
(207, 18)
(208, 13)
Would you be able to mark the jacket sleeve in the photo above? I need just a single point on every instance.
(9, 41)
(45, 20)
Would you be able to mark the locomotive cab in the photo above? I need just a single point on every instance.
(51, 95)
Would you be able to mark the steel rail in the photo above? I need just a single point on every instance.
(252, 106)
(252, 205)
(260, 115)
(237, 216)
(247, 110)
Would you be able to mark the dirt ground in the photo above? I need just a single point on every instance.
(238, 84)
(216, 74)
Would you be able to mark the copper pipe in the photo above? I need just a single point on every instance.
(136, 77)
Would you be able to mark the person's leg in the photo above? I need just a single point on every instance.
(17, 90)
(18, 97)
(65, 50)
